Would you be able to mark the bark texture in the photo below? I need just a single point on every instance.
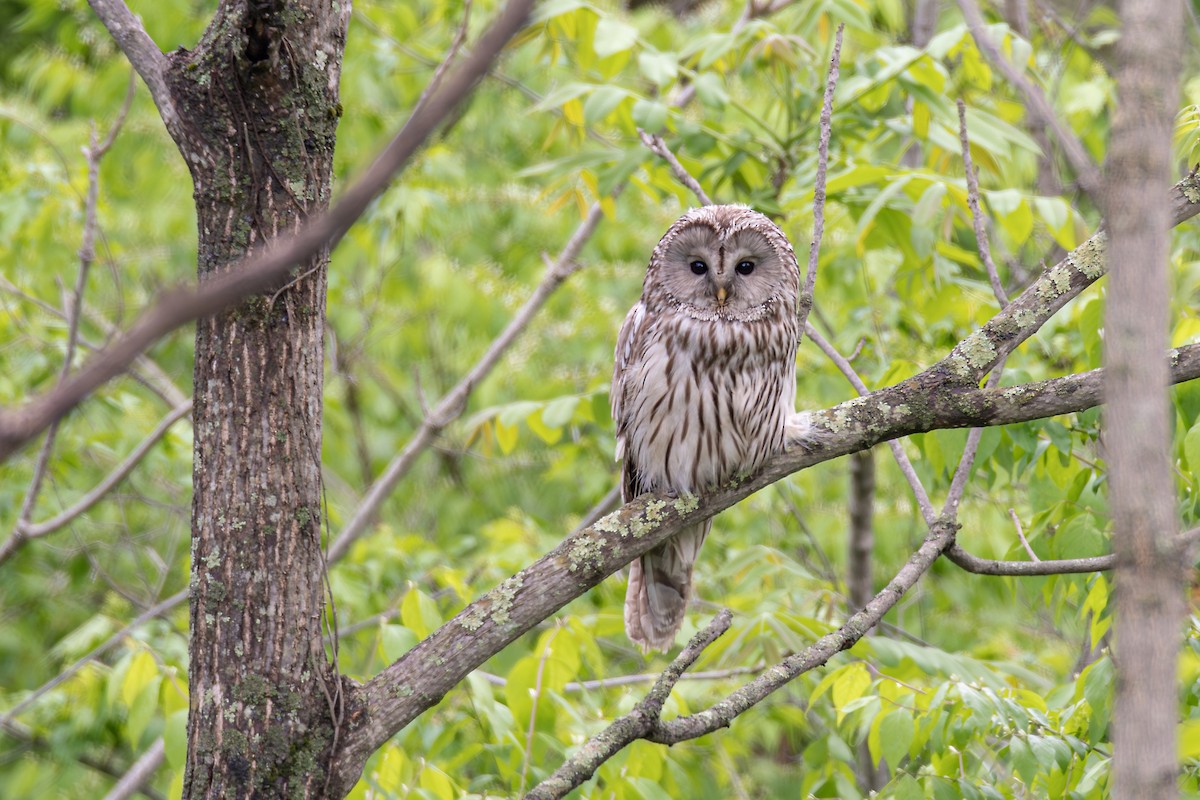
(1149, 577)
(260, 94)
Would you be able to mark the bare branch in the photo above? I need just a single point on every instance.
(265, 267)
(722, 714)
(634, 725)
(805, 302)
(958, 483)
(73, 312)
(108, 644)
(981, 237)
(452, 405)
(456, 44)
(1086, 173)
(987, 566)
(28, 738)
(1012, 513)
(143, 54)
(902, 459)
(655, 144)
(140, 772)
(26, 531)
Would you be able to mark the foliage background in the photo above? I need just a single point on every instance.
(977, 687)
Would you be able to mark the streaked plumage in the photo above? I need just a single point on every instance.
(704, 384)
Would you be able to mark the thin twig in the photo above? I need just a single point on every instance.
(634, 725)
(902, 459)
(573, 687)
(108, 644)
(140, 772)
(1087, 175)
(73, 311)
(981, 237)
(439, 73)
(721, 714)
(805, 303)
(958, 483)
(26, 737)
(451, 406)
(26, 531)
(1012, 514)
(655, 144)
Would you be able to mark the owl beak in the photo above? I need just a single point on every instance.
(722, 295)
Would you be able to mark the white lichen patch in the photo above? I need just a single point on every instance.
(610, 524)
(686, 504)
(474, 618)
(977, 351)
(585, 552)
(502, 599)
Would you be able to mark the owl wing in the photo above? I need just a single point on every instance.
(630, 344)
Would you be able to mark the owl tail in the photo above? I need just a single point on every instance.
(660, 583)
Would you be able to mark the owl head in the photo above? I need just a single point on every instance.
(723, 262)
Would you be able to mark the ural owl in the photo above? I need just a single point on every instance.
(704, 384)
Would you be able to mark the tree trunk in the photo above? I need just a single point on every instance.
(259, 99)
(1150, 569)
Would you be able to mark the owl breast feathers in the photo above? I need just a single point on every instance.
(704, 383)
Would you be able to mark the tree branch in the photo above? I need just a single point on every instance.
(143, 54)
(140, 772)
(1086, 173)
(655, 144)
(422, 676)
(452, 405)
(805, 301)
(985, 250)
(267, 266)
(635, 725)
(26, 530)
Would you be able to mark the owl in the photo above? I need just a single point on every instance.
(704, 385)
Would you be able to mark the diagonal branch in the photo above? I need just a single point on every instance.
(452, 405)
(420, 678)
(143, 54)
(655, 144)
(26, 530)
(1086, 172)
(721, 714)
(634, 725)
(267, 266)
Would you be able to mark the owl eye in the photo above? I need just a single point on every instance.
(744, 267)
(699, 267)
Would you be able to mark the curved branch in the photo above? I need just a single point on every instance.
(143, 54)
(1087, 175)
(26, 531)
(423, 675)
(634, 725)
(265, 267)
(452, 405)
(655, 144)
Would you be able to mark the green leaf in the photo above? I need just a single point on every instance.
(602, 102)
(614, 36)
(142, 670)
(396, 640)
(659, 68)
(650, 115)
(175, 739)
(896, 734)
(710, 89)
(419, 613)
